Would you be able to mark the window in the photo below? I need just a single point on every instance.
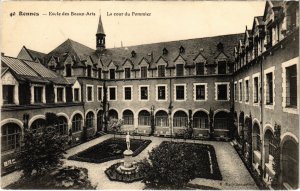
(62, 125)
(246, 90)
(222, 91)
(235, 91)
(199, 92)
(199, 68)
(255, 90)
(99, 93)
(144, 72)
(161, 92)
(8, 94)
(128, 117)
(127, 73)
(112, 74)
(10, 137)
(144, 118)
(99, 73)
(179, 69)
(144, 93)
(222, 67)
(180, 92)
(68, 70)
(89, 93)
(60, 94)
(112, 93)
(127, 93)
(161, 70)
(89, 71)
(76, 123)
(241, 90)
(38, 94)
(291, 86)
(269, 89)
(89, 120)
(76, 94)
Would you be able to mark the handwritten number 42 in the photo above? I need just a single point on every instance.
(12, 14)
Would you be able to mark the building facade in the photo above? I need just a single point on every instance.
(178, 84)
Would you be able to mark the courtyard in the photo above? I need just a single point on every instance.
(234, 173)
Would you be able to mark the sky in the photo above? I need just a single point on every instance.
(168, 21)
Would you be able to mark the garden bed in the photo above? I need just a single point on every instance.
(110, 149)
(207, 161)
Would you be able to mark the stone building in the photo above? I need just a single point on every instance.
(178, 84)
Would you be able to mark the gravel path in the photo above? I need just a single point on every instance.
(234, 173)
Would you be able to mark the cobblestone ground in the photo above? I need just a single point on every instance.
(234, 173)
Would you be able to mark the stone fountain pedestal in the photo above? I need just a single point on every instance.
(127, 167)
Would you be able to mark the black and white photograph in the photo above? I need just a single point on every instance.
(149, 95)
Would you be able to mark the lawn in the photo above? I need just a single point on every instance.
(109, 150)
(207, 166)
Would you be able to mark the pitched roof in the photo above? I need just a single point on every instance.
(207, 46)
(100, 29)
(31, 71)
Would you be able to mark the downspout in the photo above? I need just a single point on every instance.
(84, 122)
(262, 112)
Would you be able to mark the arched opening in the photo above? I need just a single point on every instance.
(112, 114)
(62, 125)
(247, 128)
(269, 146)
(221, 120)
(68, 70)
(241, 124)
(180, 119)
(128, 117)
(256, 144)
(144, 118)
(38, 125)
(290, 164)
(76, 123)
(99, 120)
(10, 137)
(161, 119)
(200, 120)
(89, 120)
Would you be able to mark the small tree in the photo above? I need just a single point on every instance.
(211, 128)
(249, 137)
(231, 123)
(115, 125)
(42, 149)
(276, 164)
(170, 167)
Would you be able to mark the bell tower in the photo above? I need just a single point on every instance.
(100, 36)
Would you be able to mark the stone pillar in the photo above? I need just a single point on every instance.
(32, 94)
(64, 94)
(55, 94)
(44, 94)
(16, 94)
(128, 158)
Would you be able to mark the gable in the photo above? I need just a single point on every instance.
(179, 60)
(199, 58)
(76, 84)
(127, 64)
(144, 63)
(221, 57)
(68, 60)
(8, 79)
(52, 62)
(161, 61)
(111, 65)
(89, 61)
(24, 54)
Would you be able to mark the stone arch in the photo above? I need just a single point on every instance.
(219, 110)
(76, 112)
(268, 146)
(75, 125)
(161, 118)
(90, 119)
(66, 116)
(12, 120)
(221, 120)
(289, 160)
(35, 118)
(100, 115)
(128, 117)
(144, 117)
(113, 113)
(200, 109)
(11, 136)
(160, 109)
(90, 110)
(180, 118)
(180, 109)
(61, 126)
(200, 119)
(268, 127)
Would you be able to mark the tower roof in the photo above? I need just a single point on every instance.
(100, 29)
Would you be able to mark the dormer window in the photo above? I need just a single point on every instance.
(181, 49)
(89, 71)
(220, 46)
(165, 51)
(112, 74)
(99, 73)
(222, 67)
(133, 53)
(68, 70)
(127, 73)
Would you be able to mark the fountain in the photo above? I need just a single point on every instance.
(127, 169)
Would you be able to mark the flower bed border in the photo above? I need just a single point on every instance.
(91, 160)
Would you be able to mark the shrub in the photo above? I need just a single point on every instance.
(41, 149)
(169, 167)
